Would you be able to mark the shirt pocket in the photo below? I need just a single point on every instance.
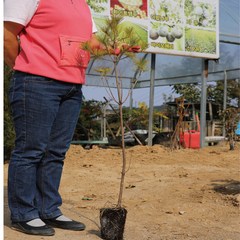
(71, 54)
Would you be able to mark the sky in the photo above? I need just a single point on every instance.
(229, 24)
(139, 95)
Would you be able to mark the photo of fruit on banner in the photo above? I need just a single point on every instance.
(99, 7)
(200, 31)
(134, 13)
(167, 24)
(184, 27)
(175, 27)
(130, 8)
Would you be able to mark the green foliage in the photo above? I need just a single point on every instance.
(117, 39)
(215, 92)
(230, 118)
(9, 133)
(140, 117)
(234, 90)
(188, 7)
(200, 14)
(139, 29)
(191, 92)
(96, 5)
(200, 41)
(89, 122)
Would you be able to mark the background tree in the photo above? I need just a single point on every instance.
(192, 92)
(215, 92)
(9, 133)
(89, 122)
(140, 117)
(231, 117)
(234, 91)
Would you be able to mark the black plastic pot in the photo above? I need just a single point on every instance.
(112, 222)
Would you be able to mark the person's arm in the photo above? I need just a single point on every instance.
(11, 43)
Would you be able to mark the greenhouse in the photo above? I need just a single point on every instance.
(167, 69)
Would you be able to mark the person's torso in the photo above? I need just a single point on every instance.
(50, 43)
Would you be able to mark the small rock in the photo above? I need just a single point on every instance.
(181, 212)
(238, 198)
(95, 147)
(130, 186)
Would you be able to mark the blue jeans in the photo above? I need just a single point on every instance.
(45, 113)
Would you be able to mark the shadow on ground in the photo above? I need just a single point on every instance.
(7, 221)
(227, 187)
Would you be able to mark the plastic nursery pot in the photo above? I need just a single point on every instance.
(112, 222)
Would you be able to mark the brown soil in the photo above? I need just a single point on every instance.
(183, 194)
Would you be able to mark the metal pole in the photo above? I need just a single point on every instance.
(238, 86)
(104, 122)
(151, 98)
(131, 99)
(225, 91)
(203, 102)
(224, 99)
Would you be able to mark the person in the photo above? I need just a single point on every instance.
(42, 40)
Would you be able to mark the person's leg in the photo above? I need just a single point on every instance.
(35, 102)
(33, 111)
(50, 170)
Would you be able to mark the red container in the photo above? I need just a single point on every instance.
(190, 139)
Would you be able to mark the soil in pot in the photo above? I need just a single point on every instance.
(112, 222)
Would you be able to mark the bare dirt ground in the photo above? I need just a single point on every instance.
(183, 194)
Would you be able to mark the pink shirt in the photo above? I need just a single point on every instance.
(50, 43)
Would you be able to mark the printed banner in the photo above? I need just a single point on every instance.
(176, 27)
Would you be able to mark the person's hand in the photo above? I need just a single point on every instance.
(116, 51)
(127, 48)
(135, 49)
(11, 42)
